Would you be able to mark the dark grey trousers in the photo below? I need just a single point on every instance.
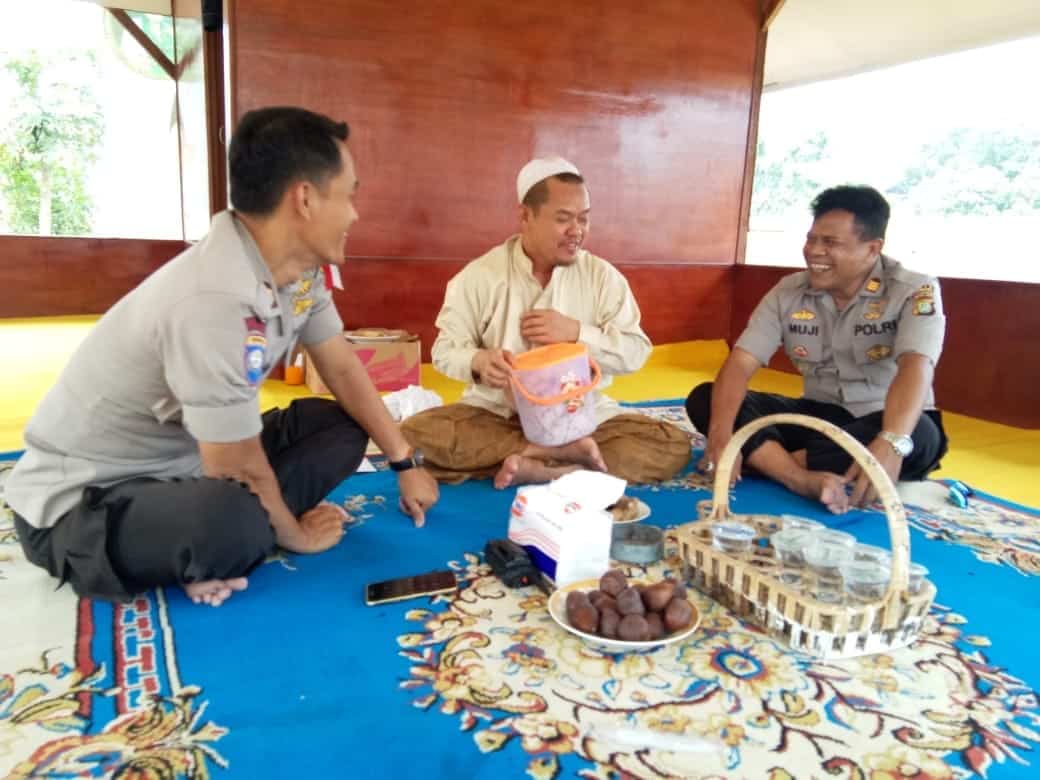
(822, 454)
(142, 533)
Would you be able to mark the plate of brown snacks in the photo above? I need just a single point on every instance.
(628, 510)
(618, 615)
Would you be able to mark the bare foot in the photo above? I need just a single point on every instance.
(583, 452)
(829, 489)
(214, 592)
(521, 470)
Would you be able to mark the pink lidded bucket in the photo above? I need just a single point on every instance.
(550, 388)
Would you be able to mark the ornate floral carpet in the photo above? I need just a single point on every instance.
(297, 678)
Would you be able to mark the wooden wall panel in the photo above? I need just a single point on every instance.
(675, 301)
(990, 366)
(448, 98)
(44, 277)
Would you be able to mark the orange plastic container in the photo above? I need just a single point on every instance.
(551, 387)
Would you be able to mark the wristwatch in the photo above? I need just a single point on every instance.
(903, 445)
(413, 461)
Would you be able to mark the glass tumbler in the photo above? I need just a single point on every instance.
(827, 553)
(790, 545)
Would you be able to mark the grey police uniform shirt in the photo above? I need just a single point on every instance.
(849, 357)
(178, 360)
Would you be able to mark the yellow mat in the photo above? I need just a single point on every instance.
(998, 459)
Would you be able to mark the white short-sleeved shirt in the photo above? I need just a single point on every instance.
(849, 357)
(176, 361)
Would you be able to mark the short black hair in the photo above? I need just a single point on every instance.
(867, 205)
(274, 147)
(539, 193)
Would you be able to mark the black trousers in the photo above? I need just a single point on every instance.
(822, 454)
(142, 533)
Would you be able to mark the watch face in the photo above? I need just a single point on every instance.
(417, 457)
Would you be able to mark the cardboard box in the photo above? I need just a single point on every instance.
(392, 360)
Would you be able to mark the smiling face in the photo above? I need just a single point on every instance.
(838, 258)
(331, 213)
(553, 233)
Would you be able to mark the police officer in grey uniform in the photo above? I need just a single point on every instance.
(865, 333)
(149, 462)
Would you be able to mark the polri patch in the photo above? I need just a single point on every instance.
(255, 350)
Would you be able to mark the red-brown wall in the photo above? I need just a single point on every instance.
(990, 366)
(50, 276)
(447, 99)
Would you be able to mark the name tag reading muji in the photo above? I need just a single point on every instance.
(255, 350)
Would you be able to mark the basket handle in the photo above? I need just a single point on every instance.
(894, 510)
(577, 392)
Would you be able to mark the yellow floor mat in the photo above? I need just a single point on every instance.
(995, 458)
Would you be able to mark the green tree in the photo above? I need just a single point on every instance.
(788, 181)
(49, 142)
(975, 172)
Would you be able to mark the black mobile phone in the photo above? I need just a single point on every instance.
(410, 587)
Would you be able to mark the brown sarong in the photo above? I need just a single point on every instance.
(463, 442)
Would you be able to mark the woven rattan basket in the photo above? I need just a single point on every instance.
(751, 588)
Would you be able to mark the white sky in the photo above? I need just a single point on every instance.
(877, 121)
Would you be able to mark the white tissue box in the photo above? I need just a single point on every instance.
(568, 540)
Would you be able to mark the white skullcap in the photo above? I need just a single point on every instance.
(538, 169)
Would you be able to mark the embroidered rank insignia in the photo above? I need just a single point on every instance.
(803, 314)
(873, 310)
(879, 352)
(873, 285)
(801, 351)
(302, 301)
(255, 349)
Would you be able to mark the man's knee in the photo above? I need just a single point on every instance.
(698, 405)
(227, 520)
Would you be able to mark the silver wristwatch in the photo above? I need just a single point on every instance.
(903, 445)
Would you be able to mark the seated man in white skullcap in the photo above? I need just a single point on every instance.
(540, 287)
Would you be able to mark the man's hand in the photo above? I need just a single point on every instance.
(493, 367)
(864, 493)
(320, 528)
(717, 442)
(547, 326)
(419, 492)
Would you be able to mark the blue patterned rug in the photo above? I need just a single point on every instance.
(298, 678)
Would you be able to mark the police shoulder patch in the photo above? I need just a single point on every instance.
(254, 350)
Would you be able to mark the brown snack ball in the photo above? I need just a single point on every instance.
(584, 617)
(603, 601)
(678, 614)
(629, 602)
(576, 598)
(655, 624)
(633, 628)
(613, 582)
(608, 622)
(656, 597)
(680, 589)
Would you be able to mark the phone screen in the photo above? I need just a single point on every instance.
(410, 587)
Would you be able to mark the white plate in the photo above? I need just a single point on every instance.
(643, 512)
(362, 338)
(558, 612)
